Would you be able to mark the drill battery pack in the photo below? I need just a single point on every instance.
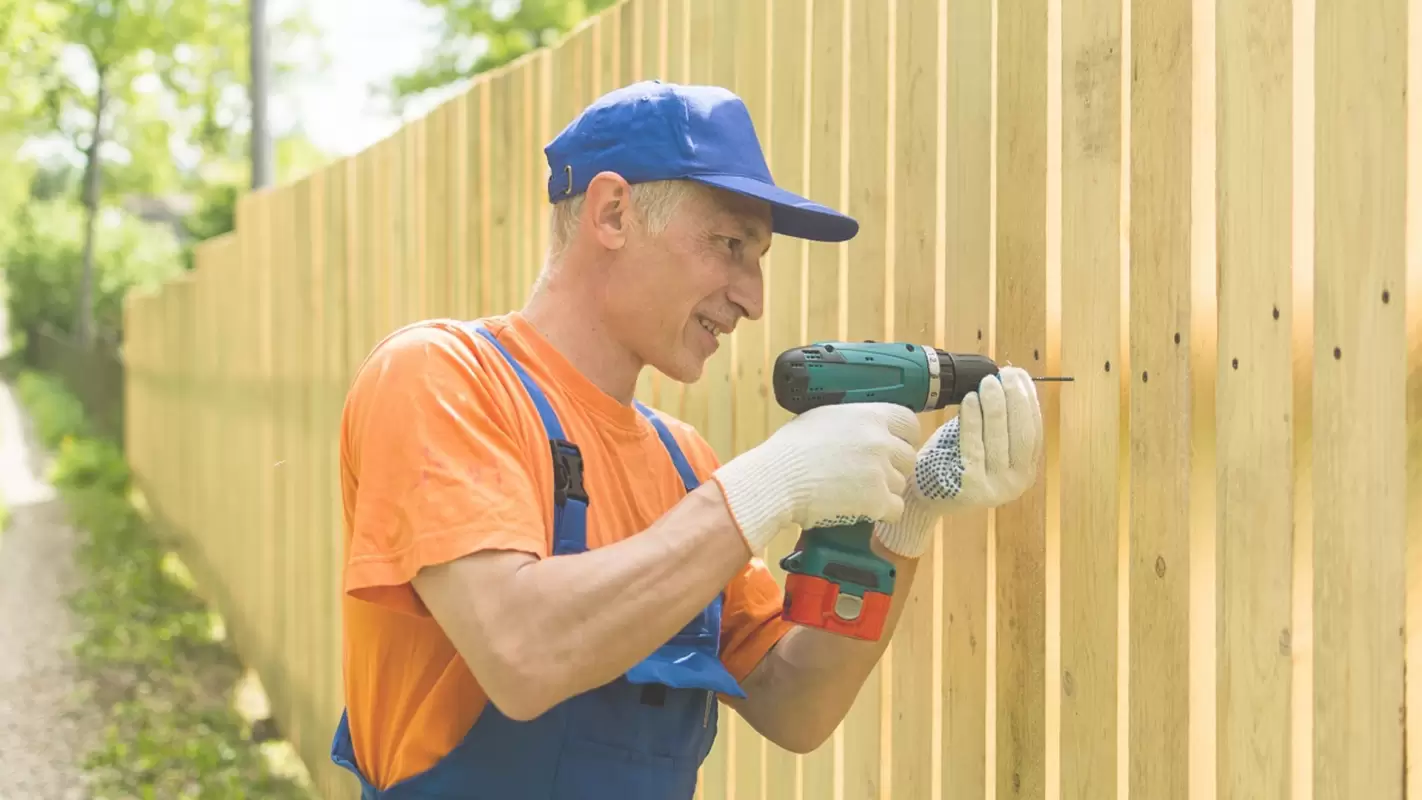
(836, 583)
(818, 603)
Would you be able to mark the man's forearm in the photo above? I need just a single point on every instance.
(582, 620)
(807, 683)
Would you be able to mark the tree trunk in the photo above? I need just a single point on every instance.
(262, 158)
(93, 170)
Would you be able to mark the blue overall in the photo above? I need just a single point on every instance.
(641, 737)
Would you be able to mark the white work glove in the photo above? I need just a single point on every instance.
(984, 457)
(827, 465)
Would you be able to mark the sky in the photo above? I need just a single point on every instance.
(366, 41)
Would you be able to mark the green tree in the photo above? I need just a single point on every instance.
(31, 40)
(155, 74)
(43, 261)
(480, 35)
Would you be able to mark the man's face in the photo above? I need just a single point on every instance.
(676, 296)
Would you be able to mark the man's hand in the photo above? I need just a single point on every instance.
(832, 463)
(984, 457)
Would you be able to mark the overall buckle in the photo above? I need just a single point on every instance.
(567, 472)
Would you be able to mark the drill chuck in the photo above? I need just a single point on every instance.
(918, 377)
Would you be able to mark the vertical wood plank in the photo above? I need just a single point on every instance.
(1359, 406)
(417, 232)
(1254, 575)
(821, 162)
(784, 266)
(653, 29)
(456, 210)
(864, 102)
(480, 238)
(967, 301)
(750, 59)
(914, 319)
(523, 265)
(1161, 42)
(1021, 339)
(1091, 406)
(437, 163)
(1413, 302)
(310, 587)
(629, 41)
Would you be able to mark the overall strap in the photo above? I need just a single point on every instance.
(570, 499)
(688, 477)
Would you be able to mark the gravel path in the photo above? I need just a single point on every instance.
(45, 728)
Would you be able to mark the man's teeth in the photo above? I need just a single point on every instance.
(709, 327)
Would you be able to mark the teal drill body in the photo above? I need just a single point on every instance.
(834, 579)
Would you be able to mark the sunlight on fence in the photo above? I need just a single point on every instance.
(1202, 215)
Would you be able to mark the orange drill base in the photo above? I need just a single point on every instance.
(811, 601)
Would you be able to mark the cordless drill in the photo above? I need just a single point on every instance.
(834, 580)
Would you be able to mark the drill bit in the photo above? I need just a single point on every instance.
(1045, 378)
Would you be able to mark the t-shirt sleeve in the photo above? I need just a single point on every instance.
(750, 620)
(750, 617)
(432, 448)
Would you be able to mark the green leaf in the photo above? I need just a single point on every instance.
(480, 35)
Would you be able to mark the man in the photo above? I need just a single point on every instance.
(549, 586)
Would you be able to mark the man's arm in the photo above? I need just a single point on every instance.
(539, 631)
(805, 685)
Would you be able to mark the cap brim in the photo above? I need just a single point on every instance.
(791, 214)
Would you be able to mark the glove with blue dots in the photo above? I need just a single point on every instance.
(985, 456)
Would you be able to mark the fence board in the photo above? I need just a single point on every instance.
(1160, 399)
(1020, 338)
(865, 100)
(1091, 415)
(913, 300)
(1359, 410)
(1256, 472)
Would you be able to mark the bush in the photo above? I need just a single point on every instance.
(160, 676)
(56, 412)
(45, 259)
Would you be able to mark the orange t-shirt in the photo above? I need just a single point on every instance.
(443, 455)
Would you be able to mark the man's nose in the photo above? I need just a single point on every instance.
(747, 290)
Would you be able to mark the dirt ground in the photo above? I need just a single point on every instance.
(45, 726)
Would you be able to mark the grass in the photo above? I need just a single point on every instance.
(162, 680)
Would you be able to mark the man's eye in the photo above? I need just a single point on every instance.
(733, 243)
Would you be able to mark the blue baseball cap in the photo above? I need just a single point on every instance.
(652, 130)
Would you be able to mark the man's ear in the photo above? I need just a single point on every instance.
(608, 205)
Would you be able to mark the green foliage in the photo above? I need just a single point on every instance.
(44, 259)
(56, 413)
(153, 58)
(147, 647)
(480, 35)
(30, 43)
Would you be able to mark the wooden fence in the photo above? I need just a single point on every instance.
(1200, 212)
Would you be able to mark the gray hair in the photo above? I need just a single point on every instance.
(654, 202)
